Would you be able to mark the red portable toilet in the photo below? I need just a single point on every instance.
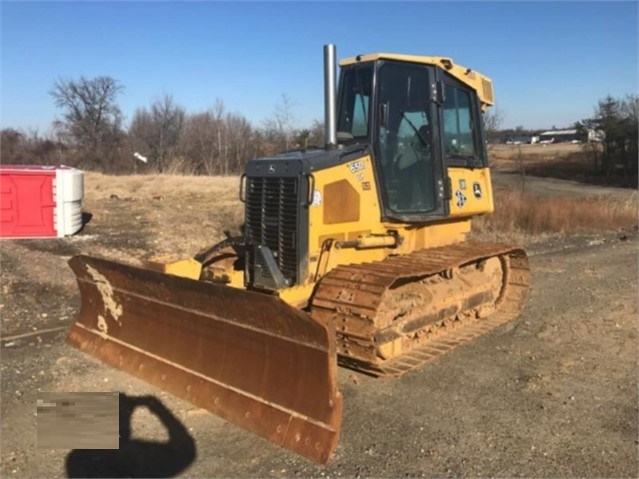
(40, 201)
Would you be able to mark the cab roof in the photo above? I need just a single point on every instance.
(477, 81)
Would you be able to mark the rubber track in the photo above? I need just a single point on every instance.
(352, 294)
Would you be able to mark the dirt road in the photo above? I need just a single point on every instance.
(544, 187)
(554, 394)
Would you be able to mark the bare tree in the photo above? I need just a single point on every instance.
(240, 143)
(199, 142)
(218, 142)
(157, 131)
(316, 138)
(630, 108)
(278, 130)
(301, 138)
(618, 119)
(221, 133)
(205, 142)
(285, 119)
(11, 144)
(493, 119)
(31, 148)
(91, 117)
(630, 121)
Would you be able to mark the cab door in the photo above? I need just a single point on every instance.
(409, 165)
(462, 139)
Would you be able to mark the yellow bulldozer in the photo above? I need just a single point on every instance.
(354, 254)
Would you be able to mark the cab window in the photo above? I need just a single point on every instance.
(354, 102)
(360, 115)
(459, 130)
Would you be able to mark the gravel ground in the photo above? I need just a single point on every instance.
(553, 394)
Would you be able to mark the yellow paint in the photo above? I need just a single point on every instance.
(442, 233)
(354, 181)
(376, 241)
(236, 279)
(186, 268)
(192, 269)
(477, 81)
(390, 349)
(473, 205)
(369, 227)
(103, 285)
(231, 277)
(360, 176)
(297, 295)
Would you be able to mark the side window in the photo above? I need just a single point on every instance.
(360, 115)
(355, 94)
(459, 131)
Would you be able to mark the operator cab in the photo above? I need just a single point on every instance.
(418, 120)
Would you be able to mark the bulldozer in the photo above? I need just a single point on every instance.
(353, 254)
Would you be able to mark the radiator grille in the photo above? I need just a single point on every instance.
(271, 220)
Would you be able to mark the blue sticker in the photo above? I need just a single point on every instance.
(461, 199)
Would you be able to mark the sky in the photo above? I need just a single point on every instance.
(550, 62)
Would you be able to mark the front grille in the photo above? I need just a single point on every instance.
(271, 221)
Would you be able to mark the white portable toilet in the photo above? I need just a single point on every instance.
(40, 201)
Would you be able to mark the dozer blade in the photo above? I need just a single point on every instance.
(247, 357)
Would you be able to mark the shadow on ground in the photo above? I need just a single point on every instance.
(135, 457)
(86, 219)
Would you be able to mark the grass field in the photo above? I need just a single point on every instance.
(182, 214)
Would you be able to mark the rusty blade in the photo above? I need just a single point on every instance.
(247, 357)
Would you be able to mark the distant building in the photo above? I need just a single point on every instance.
(519, 140)
(558, 136)
(569, 136)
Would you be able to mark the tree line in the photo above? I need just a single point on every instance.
(614, 154)
(161, 138)
(618, 118)
(90, 134)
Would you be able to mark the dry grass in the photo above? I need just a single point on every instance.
(564, 161)
(520, 215)
(178, 215)
(160, 215)
(180, 166)
(499, 154)
(168, 186)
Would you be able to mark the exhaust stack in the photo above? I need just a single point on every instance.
(330, 94)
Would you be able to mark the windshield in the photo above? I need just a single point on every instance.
(354, 101)
(404, 140)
